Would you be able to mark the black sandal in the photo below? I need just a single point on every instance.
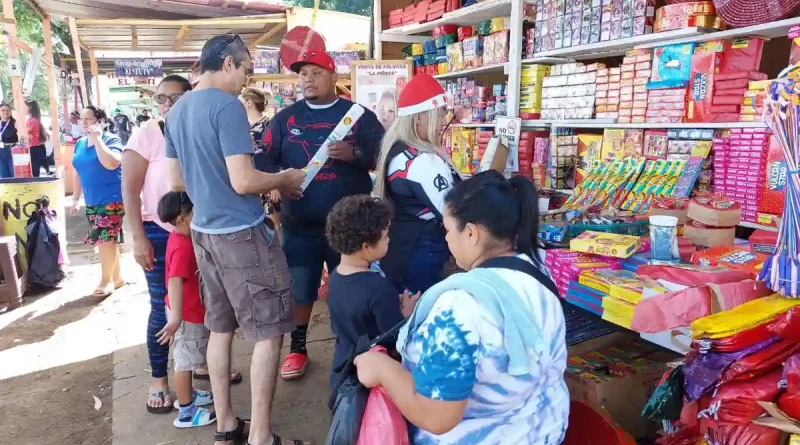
(276, 440)
(234, 380)
(236, 436)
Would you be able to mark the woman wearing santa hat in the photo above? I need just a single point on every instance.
(415, 174)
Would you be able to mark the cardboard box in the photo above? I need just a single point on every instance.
(620, 380)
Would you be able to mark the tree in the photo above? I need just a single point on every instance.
(31, 31)
(360, 7)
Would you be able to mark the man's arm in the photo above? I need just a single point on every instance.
(368, 140)
(176, 182)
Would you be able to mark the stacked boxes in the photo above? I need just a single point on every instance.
(667, 106)
(753, 101)
(565, 266)
(472, 102)
(541, 151)
(687, 15)
(744, 158)
(634, 75)
(563, 150)
(606, 97)
(527, 152)
(569, 91)
(568, 23)
(530, 90)
(483, 142)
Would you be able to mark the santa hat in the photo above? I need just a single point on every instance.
(423, 93)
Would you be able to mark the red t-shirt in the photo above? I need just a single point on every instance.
(181, 263)
(33, 130)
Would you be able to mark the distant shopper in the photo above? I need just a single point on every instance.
(98, 178)
(142, 118)
(246, 281)
(8, 138)
(38, 137)
(122, 124)
(75, 125)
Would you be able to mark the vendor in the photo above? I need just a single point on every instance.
(415, 174)
(462, 380)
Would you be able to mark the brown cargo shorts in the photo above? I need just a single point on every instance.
(245, 283)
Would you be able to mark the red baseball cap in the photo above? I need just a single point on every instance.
(318, 58)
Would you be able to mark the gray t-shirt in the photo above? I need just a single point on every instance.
(202, 129)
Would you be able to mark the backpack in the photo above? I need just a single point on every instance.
(44, 247)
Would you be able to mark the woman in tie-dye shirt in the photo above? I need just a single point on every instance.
(462, 381)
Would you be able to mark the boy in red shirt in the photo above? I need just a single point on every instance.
(185, 313)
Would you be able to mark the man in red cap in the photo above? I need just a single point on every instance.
(294, 135)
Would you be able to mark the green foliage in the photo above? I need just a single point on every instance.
(360, 7)
(31, 31)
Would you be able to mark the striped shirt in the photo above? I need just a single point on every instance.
(457, 354)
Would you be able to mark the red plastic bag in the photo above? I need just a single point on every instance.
(791, 373)
(383, 423)
(737, 341)
(736, 403)
(787, 325)
(761, 362)
(691, 275)
(725, 434)
(790, 404)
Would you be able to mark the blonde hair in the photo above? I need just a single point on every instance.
(404, 129)
(258, 98)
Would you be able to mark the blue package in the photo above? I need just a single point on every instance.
(419, 60)
(441, 52)
(429, 47)
(672, 66)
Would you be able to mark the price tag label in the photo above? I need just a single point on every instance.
(509, 129)
(14, 66)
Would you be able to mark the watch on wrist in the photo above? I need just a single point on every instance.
(357, 153)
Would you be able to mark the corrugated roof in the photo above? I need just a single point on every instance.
(156, 9)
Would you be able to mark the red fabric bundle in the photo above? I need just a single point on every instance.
(741, 340)
(744, 435)
(760, 363)
(736, 403)
(691, 275)
(789, 404)
(738, 13)
(787, 325)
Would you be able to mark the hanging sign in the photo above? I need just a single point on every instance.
(14, 66)
(509, 129)
(376, 85)
(139, 67)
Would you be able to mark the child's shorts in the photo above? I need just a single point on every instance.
(190, 347)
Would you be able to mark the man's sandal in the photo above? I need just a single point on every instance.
(237, 436)
(236, 377)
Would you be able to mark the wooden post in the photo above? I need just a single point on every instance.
(53, 91)
(16, 81)
(96, 75)
(76, 45)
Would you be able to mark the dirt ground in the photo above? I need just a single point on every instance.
(63, 351)
(56, 405)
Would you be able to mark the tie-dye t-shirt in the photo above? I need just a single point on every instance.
(457, 354)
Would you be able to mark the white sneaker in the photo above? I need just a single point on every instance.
(202, 417)
(201, 398)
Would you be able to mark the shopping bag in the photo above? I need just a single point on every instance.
(667, 399)
(348, 412)
(383, 423)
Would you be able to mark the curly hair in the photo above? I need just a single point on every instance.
(356, 220)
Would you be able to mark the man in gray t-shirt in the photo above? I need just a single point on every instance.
(245, 278)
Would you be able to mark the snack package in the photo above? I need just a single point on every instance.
(613, 145)
(634, 143)
(671, 66)
(701, 85)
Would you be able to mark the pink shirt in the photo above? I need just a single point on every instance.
(148, 141)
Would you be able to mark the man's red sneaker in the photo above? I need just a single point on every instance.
(294, 366)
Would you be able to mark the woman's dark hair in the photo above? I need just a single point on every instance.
(507, 208)
(356, 220)
(184, 82)
(36, 113)
(100, 115)
(172, 205)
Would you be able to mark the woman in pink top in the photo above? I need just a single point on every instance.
(145, 180)
(38, 136)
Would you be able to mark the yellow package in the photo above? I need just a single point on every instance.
(609, 244)
(632, 290)
(462, 144)
(616, 318)
(613, 145)
(794, 439)
(741, 318)
(619, 307)
(602, 280)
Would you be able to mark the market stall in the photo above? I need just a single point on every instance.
(664, 139)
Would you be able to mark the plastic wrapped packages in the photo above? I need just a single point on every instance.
(667, 399)
(703, 372)
(746, 316)
(787, 325)
(691, 275)
(725, 434)
(735, 342)
(736, 403)
(761, 362)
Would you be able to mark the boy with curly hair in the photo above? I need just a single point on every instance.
(360, 300)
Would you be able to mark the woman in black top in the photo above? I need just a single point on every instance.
(8, 138)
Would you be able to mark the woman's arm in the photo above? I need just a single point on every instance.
(109, 157)
(77, 189)
(434, 416)
(134, 169)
